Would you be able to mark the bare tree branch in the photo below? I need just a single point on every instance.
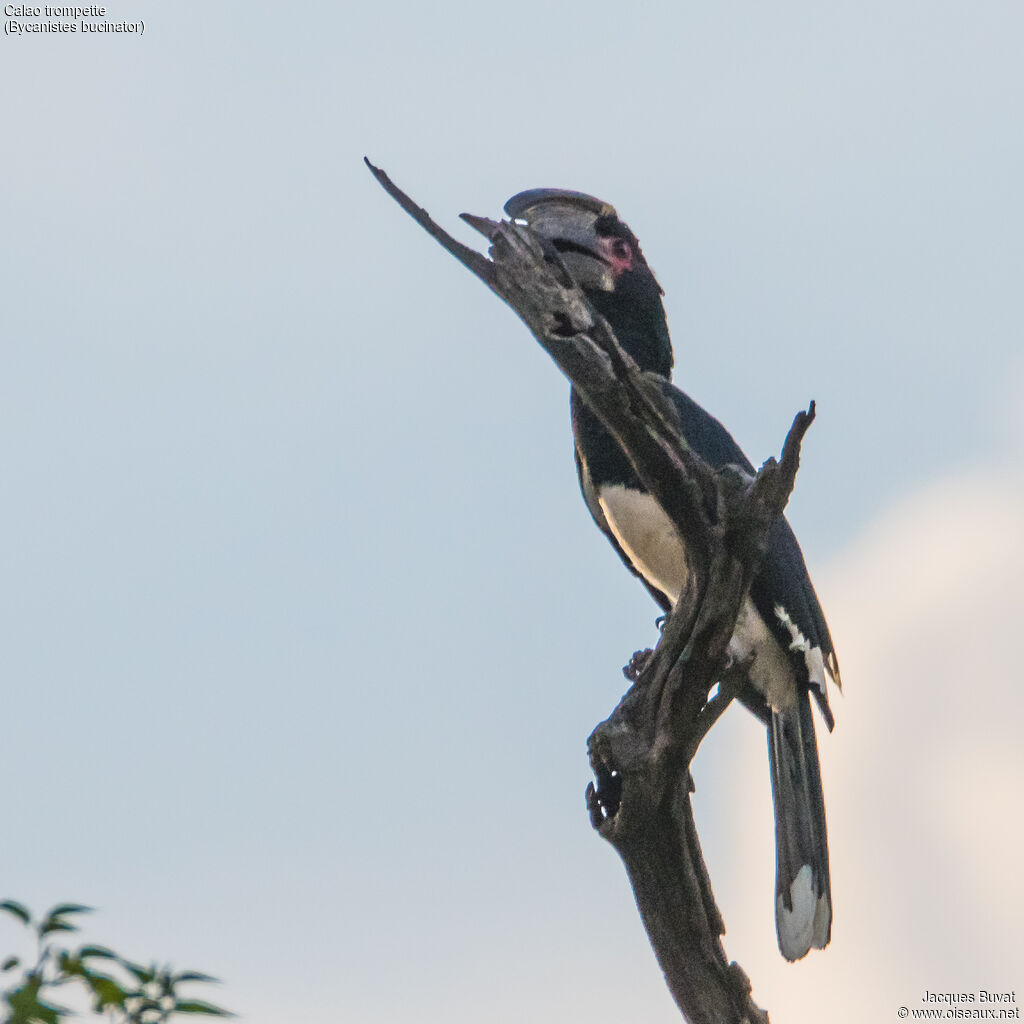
(641, 754)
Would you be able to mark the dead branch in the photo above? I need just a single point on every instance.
(641, 754)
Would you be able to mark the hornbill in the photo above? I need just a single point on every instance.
(781, 634)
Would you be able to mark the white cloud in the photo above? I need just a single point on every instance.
(924, 774)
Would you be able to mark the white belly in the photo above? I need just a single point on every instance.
(648, 538)
(651, 543)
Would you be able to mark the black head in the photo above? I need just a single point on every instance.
(605, 259)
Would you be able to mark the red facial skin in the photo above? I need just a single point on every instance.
(618, 253)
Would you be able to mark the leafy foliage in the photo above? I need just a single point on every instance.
(122, 991)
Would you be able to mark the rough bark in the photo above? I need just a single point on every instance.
(641, 754)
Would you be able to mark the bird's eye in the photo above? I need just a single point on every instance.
(620, 249)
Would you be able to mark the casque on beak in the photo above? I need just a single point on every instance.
(567, 219)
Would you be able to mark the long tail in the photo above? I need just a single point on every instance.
(803, 892)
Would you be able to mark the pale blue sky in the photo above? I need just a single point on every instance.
(304, 624)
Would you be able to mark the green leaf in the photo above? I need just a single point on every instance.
(69, 908)
(55, 922)
(69, 963)
(106, 990)
(195, 976)
(55, 925)
(10, 963)
(17, 910)
(97, 952)
(28, 1008)
(144, 974)
(197, 1006)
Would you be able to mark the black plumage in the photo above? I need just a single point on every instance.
(782, 633)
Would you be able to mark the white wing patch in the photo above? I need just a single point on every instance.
(812, 655)
(771, 671)
(650, 542)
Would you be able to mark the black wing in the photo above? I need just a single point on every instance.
(783, 581)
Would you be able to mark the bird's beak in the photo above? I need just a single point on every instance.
(567, 219)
